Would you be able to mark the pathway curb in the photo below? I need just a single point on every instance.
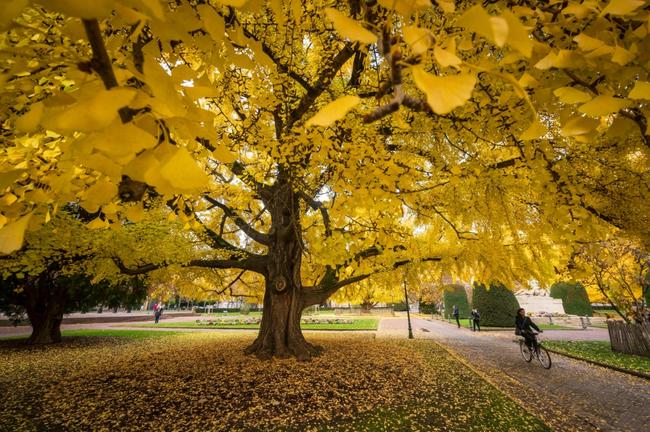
(605, 365)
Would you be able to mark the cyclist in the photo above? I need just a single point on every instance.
(524, 326)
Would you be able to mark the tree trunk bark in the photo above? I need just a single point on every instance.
(45, 304)
(280, 334)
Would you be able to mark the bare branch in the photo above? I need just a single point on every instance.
(241, 224)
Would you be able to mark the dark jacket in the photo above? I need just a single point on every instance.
(524, 325)
(476, 316)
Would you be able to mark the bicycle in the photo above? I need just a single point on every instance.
(539, 352)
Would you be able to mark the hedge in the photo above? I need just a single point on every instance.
(497, 305)
(574, 298)
(455, 295)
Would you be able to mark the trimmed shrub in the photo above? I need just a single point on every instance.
(455, 295)
(497, 305)
(574, 298)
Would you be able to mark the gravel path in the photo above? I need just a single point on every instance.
(571, 396)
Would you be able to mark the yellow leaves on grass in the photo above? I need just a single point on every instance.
(358, 384)
(349, 28)
(333, 111)
(29, 122)
(12, 235)
(444, 93)
(90, 114)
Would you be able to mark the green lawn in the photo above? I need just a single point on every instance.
(203, 381)
(600, 351)
(131, 334)
(357, 324)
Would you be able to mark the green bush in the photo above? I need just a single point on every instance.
(497, 305)
(574, 298)
(455, 295)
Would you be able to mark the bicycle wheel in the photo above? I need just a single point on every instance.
(526, 353)
(543, 357)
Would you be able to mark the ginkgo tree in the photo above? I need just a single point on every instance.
(316, 143)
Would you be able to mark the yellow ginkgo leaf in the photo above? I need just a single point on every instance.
(588, 43)
(81, 9)
(547, 62)
(11, 11)
(97, 223)
(135, 213)
(578, 126)
(446, 57)
(500, 30)
(90, 114)
(621, 56)
(12, 235)
(641, 90)
(223, 154)
(622, 7)
(571, 95)
(121, 140)
(182, 172)
(536, 130)
(405, 7)
(448, 6)
(518, 35)
(419, 39)
(213, 23)
(477, 19)
(333, 111)
(233, 3)
(29, 121)
(444, 93)
(101, 192)
(349, 28)
(603, 105)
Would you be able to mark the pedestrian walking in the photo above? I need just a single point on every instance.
(157, 312)
(456, 315)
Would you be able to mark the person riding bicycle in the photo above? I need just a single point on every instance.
(524, 326)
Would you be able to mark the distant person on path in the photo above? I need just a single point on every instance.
(456, 315)
(524, 327)
(157, 311)
(476, 320)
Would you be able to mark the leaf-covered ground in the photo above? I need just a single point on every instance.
(199, 381)
(601, 351)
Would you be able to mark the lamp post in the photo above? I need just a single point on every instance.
(408, 312)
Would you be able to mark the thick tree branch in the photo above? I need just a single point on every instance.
(241, 224)
(317, 205)
(327, 75)
(254, 263)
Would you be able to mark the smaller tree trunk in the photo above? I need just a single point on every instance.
(45, 305)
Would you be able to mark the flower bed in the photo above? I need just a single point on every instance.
(253, 320)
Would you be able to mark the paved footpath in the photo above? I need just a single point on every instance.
(571, 396)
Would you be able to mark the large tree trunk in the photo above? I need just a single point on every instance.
(280, 334)
(45, 304)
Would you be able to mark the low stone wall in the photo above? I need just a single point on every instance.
(108, 317)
